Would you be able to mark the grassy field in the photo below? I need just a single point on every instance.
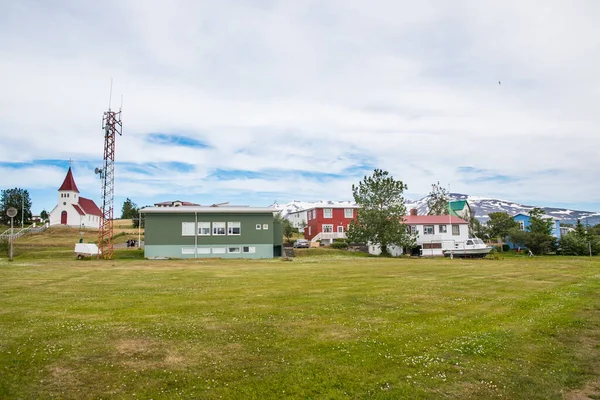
(321, 326)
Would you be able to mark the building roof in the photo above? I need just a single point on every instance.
(433, 220)
(457, 205)
(209, 210)
(331, 206)
(78, 209)
(69, 183)
(172, 203)
(89, 207)
(545, 216)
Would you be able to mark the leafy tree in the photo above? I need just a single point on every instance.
(380, 217)
(518, 237)
(437, 202)
(478, 229)
(540, 239)
(580, 242)
(129, 210)
(594, 230)
(288, 229)
(500, 224)
(44, 215)
(19, 199)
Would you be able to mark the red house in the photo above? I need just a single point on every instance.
(327, 223)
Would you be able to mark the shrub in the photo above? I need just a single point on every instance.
(505, 247)
(339, 245)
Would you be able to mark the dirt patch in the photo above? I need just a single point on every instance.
(591, 391)
(147, 353)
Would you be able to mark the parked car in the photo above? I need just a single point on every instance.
(301, 243)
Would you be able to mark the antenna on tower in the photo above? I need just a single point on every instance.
(110, 94)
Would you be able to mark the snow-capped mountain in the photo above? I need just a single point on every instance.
(481, 207)
(298, 205)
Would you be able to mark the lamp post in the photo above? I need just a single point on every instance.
(11, 212)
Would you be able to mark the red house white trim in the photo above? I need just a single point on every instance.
(326, 223)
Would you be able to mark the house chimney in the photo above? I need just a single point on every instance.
(413, 211)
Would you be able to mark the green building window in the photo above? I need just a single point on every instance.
(234, 228)
(188, 228)
(218, 228)
(204, 228)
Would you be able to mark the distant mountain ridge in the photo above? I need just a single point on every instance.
(481, 206)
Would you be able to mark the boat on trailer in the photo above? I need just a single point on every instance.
(472, 248)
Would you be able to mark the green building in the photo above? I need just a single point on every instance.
(209, 232)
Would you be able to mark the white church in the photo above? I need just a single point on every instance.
(74, 210)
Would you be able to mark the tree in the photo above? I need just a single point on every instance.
(380, 217)
(478, 229)
(288, 229)
(44, 215)
(500, 224)
(580, 242)
(540, 239)
(129, 210)
(437, 202)
(19, 199)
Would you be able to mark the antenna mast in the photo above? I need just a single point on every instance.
(111, 125)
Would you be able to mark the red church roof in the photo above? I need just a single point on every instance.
(78, 209)
(69, 183)
(89, 206)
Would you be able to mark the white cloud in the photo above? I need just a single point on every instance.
(309, 87)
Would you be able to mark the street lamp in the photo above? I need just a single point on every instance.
(11, 212)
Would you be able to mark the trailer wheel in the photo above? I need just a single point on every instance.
(80, 256)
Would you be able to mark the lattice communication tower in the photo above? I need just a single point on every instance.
(112, 125)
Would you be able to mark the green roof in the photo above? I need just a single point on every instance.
(457, 205)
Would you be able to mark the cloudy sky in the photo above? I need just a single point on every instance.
(257, 101)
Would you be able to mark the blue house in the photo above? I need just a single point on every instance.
(523, 220)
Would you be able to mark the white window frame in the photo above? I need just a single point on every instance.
(348, 213)
(309, 230)
(204, 229)
(203, 250)
(340, 229)
(234, 250)
(249, 249)
(188, 250)
(188, 229)
(258, 227)
(443, 229)
(327, 228)
(218, 250)
(413, 229)
(428, 229)
(233, 225)
(265, 227)
(216, 228)
(328, 213)
(457, 229)
(521, 225)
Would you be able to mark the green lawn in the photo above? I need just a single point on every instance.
(322, 326)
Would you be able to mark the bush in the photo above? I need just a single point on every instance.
(505, 247)
(339, 245)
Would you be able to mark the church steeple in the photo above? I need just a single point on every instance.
(69, 183)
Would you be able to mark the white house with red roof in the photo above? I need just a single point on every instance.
(74, 210)
(434, 233)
